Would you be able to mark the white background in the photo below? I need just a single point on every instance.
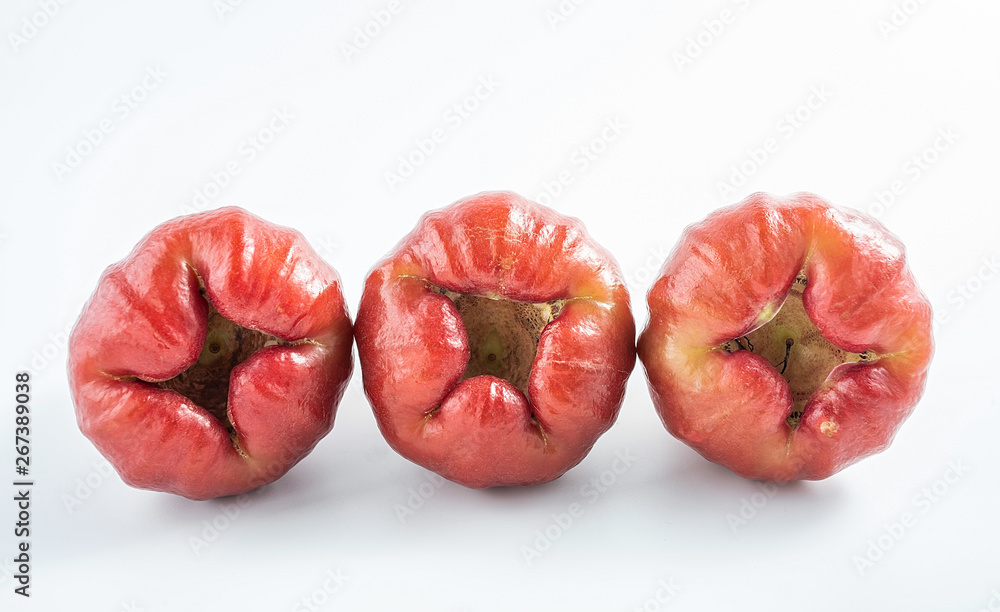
(669, 518)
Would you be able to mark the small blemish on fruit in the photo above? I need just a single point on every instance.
(828, 428)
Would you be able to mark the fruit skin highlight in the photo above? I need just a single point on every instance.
(502, 270)
(728, 277)
(197, 297)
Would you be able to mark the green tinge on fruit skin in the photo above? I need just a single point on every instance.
(492, 353)
(220, 342)
(726, 273)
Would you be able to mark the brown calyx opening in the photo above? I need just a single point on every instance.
(792, 343)
(503, 334)
(206, 382)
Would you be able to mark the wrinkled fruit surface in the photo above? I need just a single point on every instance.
(787, 338)
(211, 359)
(495, 342)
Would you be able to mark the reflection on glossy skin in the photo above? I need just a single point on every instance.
(495, 342)
(787, 338)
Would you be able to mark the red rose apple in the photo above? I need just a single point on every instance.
(495, 342)
(787, 338)
(211, 359)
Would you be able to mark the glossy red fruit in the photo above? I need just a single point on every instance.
(495, 342)
(787, 338)
(211, 359)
